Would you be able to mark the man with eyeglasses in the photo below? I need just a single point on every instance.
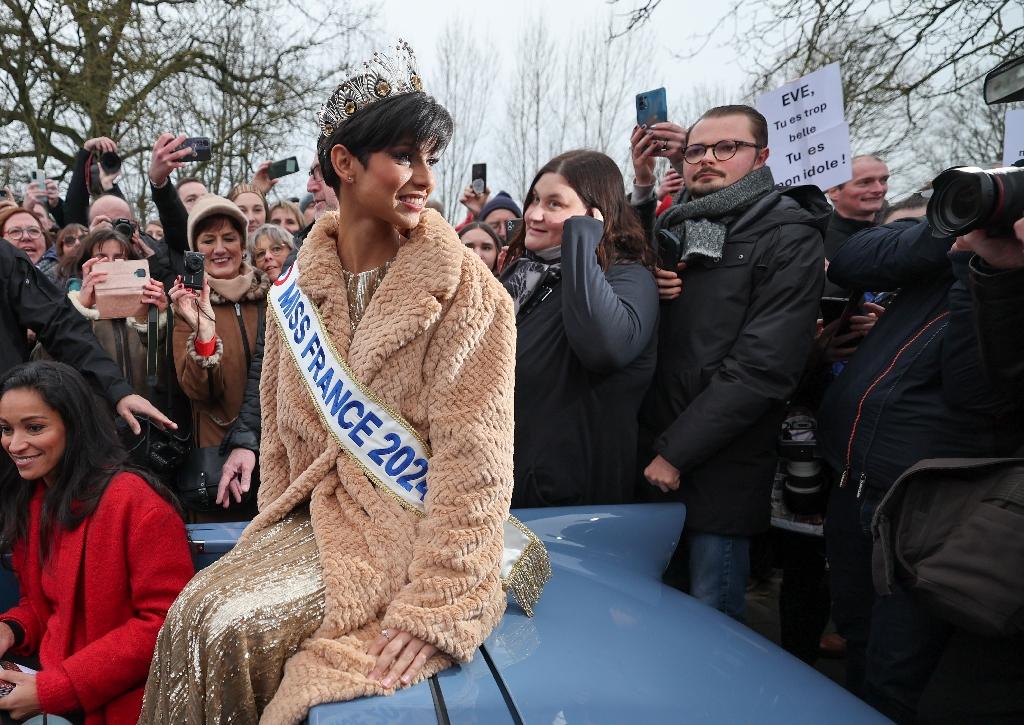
(740, 294)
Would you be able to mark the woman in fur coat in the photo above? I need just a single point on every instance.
(337, 590)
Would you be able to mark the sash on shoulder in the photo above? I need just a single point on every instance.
(391, 453)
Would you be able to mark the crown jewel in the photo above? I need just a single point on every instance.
(380, 77)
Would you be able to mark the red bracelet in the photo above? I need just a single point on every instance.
(205, 348)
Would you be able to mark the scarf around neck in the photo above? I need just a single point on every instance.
(525, 274)
(234, 289)
(698, 223)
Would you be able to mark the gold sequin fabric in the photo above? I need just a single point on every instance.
(360, 287)
(220, 655)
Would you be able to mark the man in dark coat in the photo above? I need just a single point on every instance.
(734, 336)
(916, 388)
(857, 204)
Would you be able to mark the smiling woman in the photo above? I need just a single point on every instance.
(371, 592)
(216, 327)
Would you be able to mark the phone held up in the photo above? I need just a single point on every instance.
(283, 167)
(195, 263)
(39, 178)
(118, 295)
(512, 227)
(651, 107)
(201, 149)
(479, 182)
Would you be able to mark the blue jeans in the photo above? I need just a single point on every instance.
(716, 570)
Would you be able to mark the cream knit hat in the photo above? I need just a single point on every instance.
(212, 205)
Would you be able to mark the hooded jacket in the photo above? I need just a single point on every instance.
(731, 349)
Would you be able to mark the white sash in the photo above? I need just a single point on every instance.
(390, 452)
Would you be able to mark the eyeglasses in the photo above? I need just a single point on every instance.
(274, 249)
(316, 173)
(723, 150)
(18, 233)
(73, 239)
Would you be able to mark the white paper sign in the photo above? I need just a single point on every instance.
(1013, 148)
(808, 138)
(822, 159)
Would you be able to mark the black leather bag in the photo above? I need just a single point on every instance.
(198, 478)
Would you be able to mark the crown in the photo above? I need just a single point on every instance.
(380, 77)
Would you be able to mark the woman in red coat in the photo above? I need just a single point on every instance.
(100, 552)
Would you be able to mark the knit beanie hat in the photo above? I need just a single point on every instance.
(211, 205)
(238, 189)
(501, 201)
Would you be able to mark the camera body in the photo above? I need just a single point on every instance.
(125, 227)
(805, 488)
(195, 264)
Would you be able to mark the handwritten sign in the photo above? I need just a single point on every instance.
(1013, 148)
(808, 138)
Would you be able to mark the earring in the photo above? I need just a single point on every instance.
(350, 180)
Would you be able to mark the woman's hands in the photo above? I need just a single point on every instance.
(90, 278)
(399, 656)
(195, 309)
(262, 181)
(24, 698)
(473, 201)
(6, 638)
(665, 140)
(153, 294)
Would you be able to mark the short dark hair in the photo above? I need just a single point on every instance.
(758, 123)
(187, 180)
(414, 118)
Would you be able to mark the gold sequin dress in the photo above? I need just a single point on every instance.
(221, 653)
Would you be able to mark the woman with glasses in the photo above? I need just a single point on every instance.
(69, 244)
(269, 248)
(21, 228)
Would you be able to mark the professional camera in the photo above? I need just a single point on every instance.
(965, 198)
(195, 262)
(124, 227)
(804, 491)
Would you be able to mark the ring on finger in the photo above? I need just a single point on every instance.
(386, 634)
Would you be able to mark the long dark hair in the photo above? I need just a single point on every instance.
(93, 454)
(598, 182)
(71, 265)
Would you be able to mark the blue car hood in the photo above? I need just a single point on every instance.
(611, 644)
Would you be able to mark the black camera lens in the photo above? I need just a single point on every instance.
(193, 263)
(124, 227)
(966, 198)
(110, 162)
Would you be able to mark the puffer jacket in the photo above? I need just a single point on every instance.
(216, 384)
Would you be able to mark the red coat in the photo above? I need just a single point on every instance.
(116, 576)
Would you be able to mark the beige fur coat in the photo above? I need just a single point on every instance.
(437, 344)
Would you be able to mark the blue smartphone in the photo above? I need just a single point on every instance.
(651, 107)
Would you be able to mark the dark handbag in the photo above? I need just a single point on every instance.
(199, 477)
(952, 532)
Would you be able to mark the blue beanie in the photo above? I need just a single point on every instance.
(501, 201)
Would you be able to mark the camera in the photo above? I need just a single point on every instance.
(804, 490)
(124, 227)
(110, 162)
(965, 198)
(195, 263)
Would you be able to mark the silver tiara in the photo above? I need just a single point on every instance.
(380, 77)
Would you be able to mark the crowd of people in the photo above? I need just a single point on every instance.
(609, 341)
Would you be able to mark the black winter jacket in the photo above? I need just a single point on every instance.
(585, 353)
(731, 349)
(32, 302)
(916, 387)
(999, 316)
(839, 230)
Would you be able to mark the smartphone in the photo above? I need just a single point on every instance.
(479, 177)
(195, 263)
(670, 250)
(39, 178)
(512, 227)
(832, 308)
(283, 168)
(118, 296)
(200, 146)
(651, 107)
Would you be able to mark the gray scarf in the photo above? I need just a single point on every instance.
(698, 222)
